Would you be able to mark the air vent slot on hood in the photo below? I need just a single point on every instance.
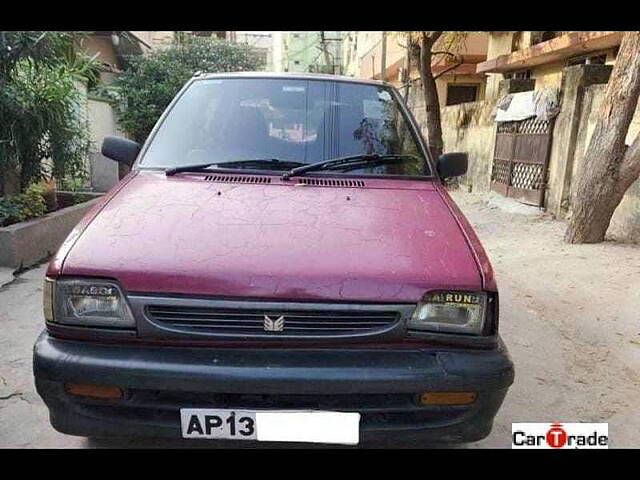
(237, 179)
(330, 182)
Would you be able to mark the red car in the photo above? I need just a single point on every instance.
(282, 264)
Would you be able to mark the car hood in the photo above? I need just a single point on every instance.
(379, 240)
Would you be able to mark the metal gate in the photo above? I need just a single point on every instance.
(521, 159)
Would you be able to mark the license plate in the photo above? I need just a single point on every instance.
(271, 426)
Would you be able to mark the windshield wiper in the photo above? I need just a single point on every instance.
(343, 162)
(257, 162)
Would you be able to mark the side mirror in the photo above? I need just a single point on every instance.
(120, 149)
(452, 164)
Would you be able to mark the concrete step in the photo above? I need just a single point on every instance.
(6, 276)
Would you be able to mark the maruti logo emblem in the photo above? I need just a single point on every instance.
(271, 325)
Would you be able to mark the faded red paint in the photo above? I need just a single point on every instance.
(389, 242)
(482, 259)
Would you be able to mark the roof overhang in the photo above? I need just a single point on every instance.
(559, 48)
(462, 69)
(137, 38)
(130, 40)
(441, 68)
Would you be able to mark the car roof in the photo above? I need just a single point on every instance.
(292, 76)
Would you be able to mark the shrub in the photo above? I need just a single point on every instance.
(9, 212)
(39, 106)
(149, 83)
(24, 206)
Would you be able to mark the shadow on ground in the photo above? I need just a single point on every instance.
(213, 444)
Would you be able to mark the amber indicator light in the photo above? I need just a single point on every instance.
(94, 391)
(447, 398)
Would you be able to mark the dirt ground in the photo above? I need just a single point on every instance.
(569, 316)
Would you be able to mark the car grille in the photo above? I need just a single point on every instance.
(257, 321)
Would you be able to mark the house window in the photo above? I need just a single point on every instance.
(597, 60)
(516, 41)
(588, 60)
(539, 37)
(461, 94)
(522, 74)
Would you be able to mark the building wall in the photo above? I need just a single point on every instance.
(300, 51)
(262, 41)
(548, 75)
(349, 53)
(160, 39)
(470, 127)
(101, 45)
(278, 51)
(82, 112)
(466, 127)
(102, 122)
(625, 223)
(370, 55)
(545, 75)
(366, 42)
(370, 52)
(145, 36)
(499, 43)
(104, 48)
(568, 135)
(442, 83)
(476, 43)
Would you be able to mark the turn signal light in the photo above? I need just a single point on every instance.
(447, 398)
(94, 391)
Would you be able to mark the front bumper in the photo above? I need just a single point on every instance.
(380, 384)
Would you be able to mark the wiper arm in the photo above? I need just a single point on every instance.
(343, 161)
(257, 161)
(188, 168)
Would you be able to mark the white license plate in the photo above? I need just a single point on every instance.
(271, 426)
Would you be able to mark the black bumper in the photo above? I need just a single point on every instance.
(380, 384)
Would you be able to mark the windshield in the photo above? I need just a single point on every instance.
(305, 121)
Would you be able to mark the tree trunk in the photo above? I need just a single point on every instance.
(430, 93)
(325, 51)
(407, 68)
(608, 167)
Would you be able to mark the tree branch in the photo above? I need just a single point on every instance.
(442, 52)
(430, 38)
(458, 58)
(448, 69)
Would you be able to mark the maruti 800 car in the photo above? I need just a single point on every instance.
(282, 264)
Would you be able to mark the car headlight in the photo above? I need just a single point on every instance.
(90, 303)
(450, 312)
(47, 299)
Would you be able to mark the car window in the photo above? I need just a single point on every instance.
(218, 120)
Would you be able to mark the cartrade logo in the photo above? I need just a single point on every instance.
(560, 435)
